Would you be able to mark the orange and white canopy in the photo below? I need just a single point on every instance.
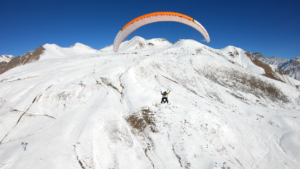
(157, 17)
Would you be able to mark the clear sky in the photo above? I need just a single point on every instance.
(270, 27)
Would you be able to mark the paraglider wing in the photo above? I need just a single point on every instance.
(157, 17)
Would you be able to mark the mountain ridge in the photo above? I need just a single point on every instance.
(103, 109)
(233, 54)
(290, 67)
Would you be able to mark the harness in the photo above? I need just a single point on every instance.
(165, 95)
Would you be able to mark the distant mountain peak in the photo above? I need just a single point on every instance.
(82, 47)
(78, 44)
(137, 38)
(290, 67)
(188, 43)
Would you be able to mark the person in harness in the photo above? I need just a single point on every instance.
(164, 97)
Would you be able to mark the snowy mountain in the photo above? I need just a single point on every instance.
(74, 108)
(28, 57)
(6, 58)
(79, 47)
(290, 67)
(137, 43)
(270, 60)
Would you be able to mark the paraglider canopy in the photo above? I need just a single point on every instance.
(157, 17)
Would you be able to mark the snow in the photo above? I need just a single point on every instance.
(53, 51)
(238, 56)
(6, 58)
(83, 108)
(79, 47)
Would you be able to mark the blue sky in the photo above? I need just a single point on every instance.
(268, 26)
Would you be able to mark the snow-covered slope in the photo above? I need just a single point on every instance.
(79, 47)
(238, 55)
(54, 51)
(6, 58)
(102, 110)
(138, 43)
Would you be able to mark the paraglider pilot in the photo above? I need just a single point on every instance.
(164, 97)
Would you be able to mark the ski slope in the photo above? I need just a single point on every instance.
(83, 108)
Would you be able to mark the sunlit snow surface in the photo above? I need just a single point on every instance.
(6, 58)
(82, 108)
